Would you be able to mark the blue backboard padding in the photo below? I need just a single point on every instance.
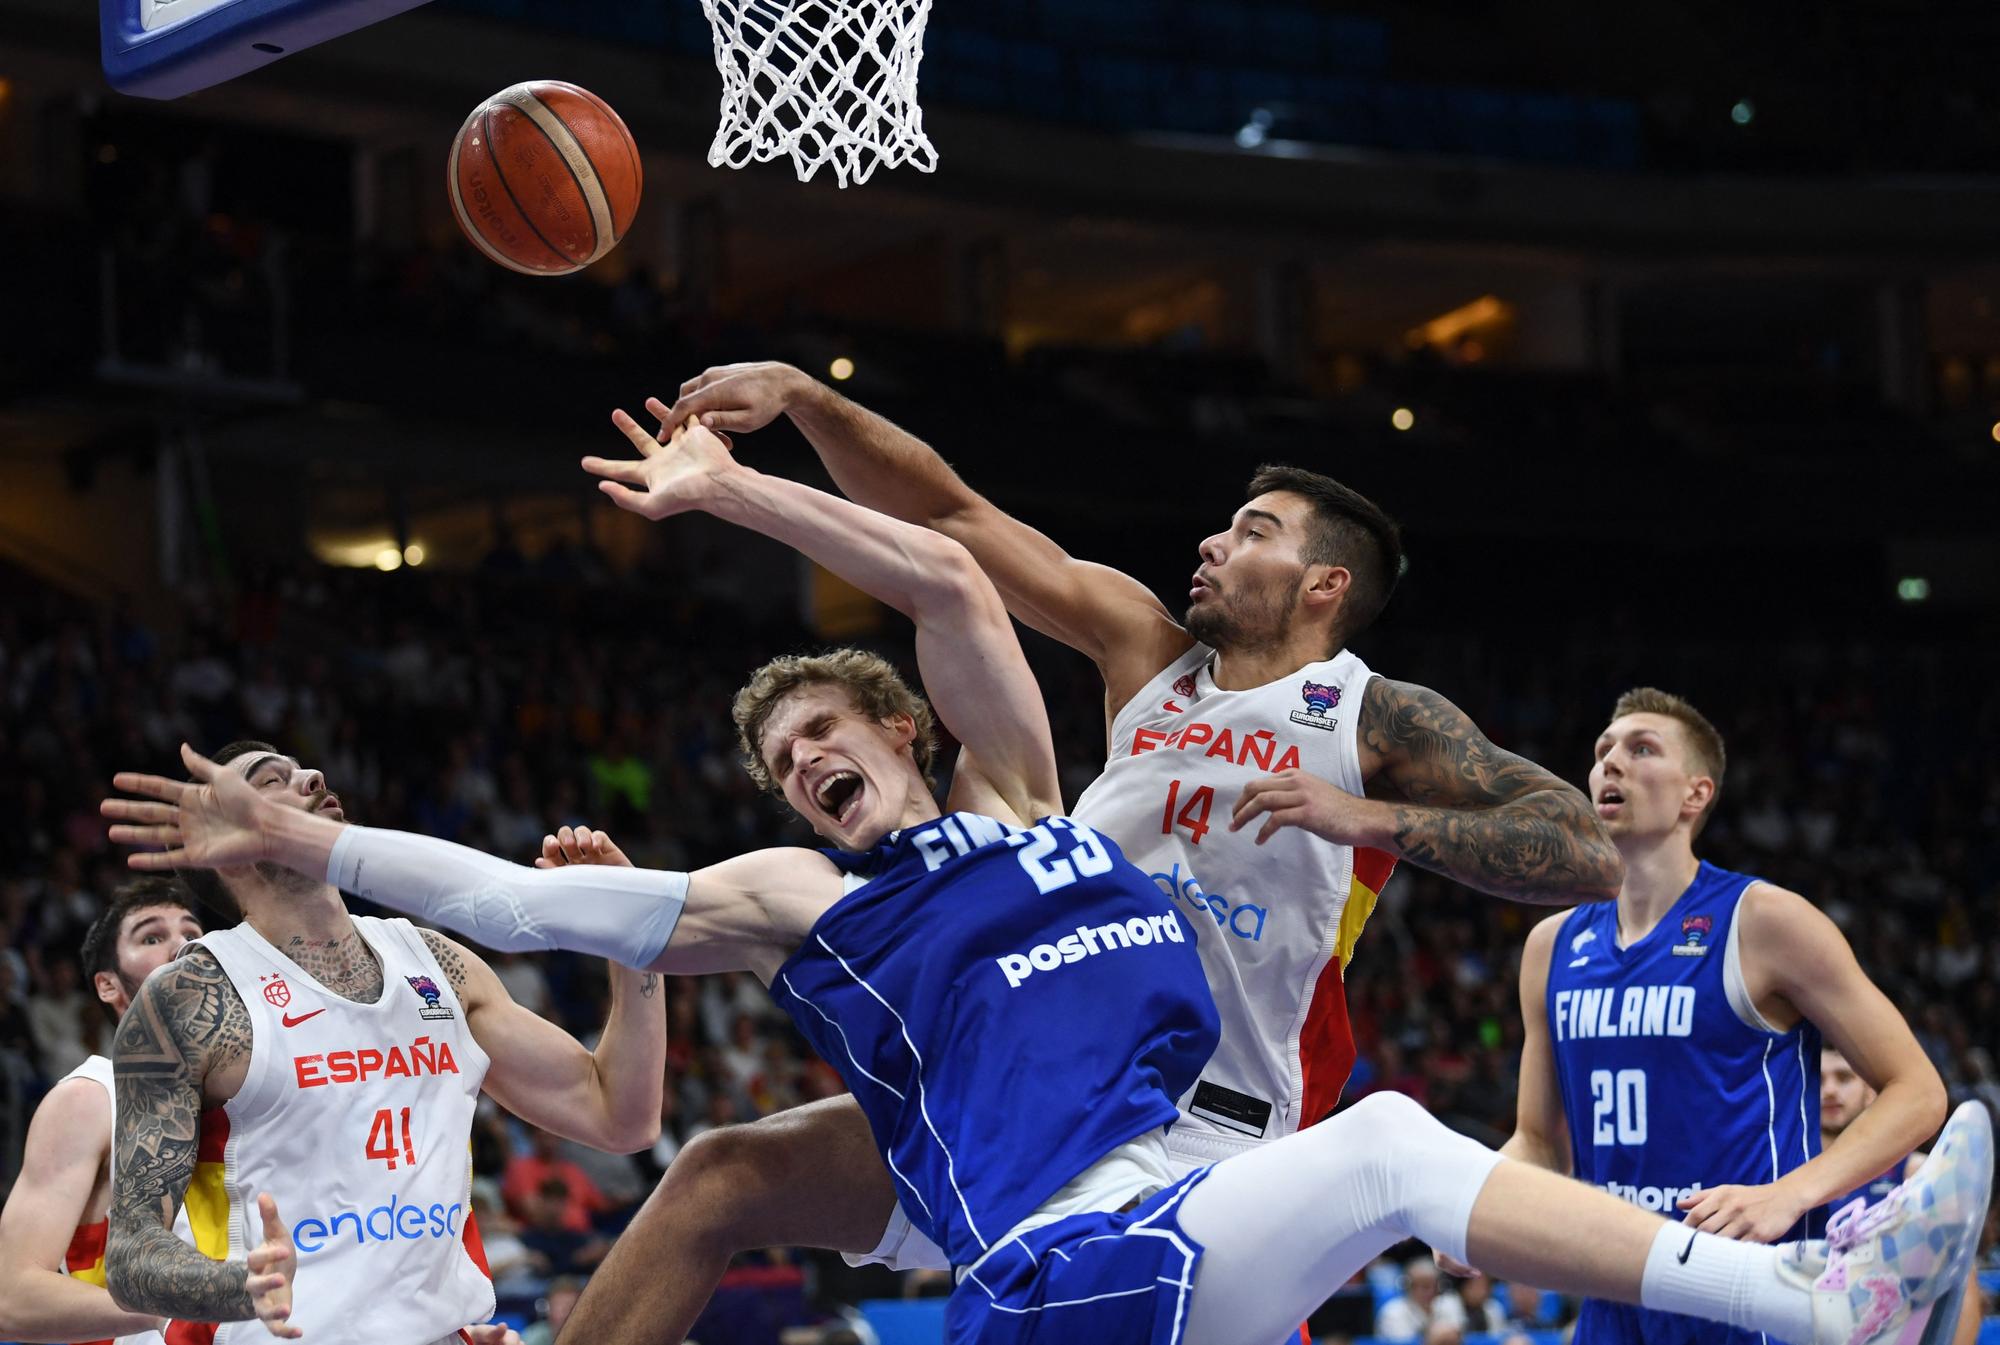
(220, 44)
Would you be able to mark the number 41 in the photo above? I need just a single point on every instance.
(382, 1139)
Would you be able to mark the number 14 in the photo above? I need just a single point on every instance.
(1193, 814)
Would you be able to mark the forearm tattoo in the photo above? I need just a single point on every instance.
(187, 1021)
(1481, 816)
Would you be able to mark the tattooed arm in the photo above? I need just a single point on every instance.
(186, 1024)
(1446, 799)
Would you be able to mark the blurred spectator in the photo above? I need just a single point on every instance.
(1483, 1312)
(564, 1291)
(528, 1177)
(547, 1233)
(1422, 1304)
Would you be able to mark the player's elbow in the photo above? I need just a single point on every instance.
(120, 1264)
(629, 1137)
(1929, 1101)
(949, 577)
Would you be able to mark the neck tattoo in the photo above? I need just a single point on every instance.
(347, 965)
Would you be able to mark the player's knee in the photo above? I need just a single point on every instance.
(1387, 1122)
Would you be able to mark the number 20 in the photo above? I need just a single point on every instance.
(1618, 1107)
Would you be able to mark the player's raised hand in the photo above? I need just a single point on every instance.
(735, 397)
(215, 821)
(1746, 1213)
(667, 478)
(273, 1263)
(579, 845)
(1295, 798)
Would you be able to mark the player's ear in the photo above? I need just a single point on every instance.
(902, 728)
(107, 987)
(1326, 583)
(1700, 790)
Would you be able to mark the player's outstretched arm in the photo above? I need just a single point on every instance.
(1443, 797)
(745, 914)
(1092, 608)
(973, 669)
(1797, 962)
(186, 1021)
(608, 1098)
(66, 1147)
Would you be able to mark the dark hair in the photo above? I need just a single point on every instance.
(1704, 742)
(206, 884)
(100, 942)
(1349, 530)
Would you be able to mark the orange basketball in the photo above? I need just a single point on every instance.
(544, 178)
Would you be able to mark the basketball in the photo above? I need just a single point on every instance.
(544, 178)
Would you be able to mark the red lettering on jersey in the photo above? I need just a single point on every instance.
(420, 1057)
(1288, 762)
(1145, 740)
(1196, 734)
(1250, 747)
(1223, 747)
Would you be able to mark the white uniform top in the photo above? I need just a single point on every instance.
(1278, 922)
(357, 1118)
(85, 1260)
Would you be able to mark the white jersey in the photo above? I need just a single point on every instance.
(357, 1118)
(1276, 923)
(84, 1260)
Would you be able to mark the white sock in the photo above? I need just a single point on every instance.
(1702, 1275)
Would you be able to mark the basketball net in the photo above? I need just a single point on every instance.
(821, 81)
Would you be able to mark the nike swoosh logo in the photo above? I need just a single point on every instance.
(290, 1021)
(1687, 1250)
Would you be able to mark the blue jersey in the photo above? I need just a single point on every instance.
(1007, 1005)
(1671, 1080)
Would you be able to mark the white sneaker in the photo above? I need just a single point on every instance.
(1895, 1272)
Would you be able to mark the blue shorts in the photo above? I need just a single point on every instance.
(1091, 1277)
(1602, 1323)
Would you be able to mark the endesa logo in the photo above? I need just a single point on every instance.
(419, 1058)
(391, 1222)
(1243, 919)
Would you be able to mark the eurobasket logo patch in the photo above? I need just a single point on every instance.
(1320, 700)
(1184, 685)
(1695, 930)
(427, 990)
(276, 993)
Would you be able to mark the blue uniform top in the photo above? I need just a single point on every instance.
(1008, 1006)
(1671, 1080)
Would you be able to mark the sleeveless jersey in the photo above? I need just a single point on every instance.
(1278, 922)
(1671, 1080)
(84, 1258)
(357, 1118)
(1007, 1005)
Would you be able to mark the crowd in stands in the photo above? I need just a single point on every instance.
(489, 708)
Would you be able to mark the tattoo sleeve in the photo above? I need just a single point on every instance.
(186, 1021)
(1481, 816)
(450, 961)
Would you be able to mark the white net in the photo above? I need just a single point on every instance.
(821, 81)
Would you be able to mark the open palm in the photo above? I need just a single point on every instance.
(211, 822)
(669, 478)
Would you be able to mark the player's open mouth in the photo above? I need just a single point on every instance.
(330, 806)
(1609, 802)
(839, 796)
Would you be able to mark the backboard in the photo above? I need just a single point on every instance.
(166, 48)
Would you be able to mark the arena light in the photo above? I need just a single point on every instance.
(842, 369)
(1256, 130)
(1996, 431)
(1914, 588)
(1744, 112)
(413, 554)
(1402, 418)
(388, 558)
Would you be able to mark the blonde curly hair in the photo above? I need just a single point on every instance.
(877, 690)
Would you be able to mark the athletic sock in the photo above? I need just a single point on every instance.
(1702, 1275)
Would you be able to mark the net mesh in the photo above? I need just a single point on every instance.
(822, 82)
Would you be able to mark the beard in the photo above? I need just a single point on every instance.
(1252, 619)
(287, 882)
